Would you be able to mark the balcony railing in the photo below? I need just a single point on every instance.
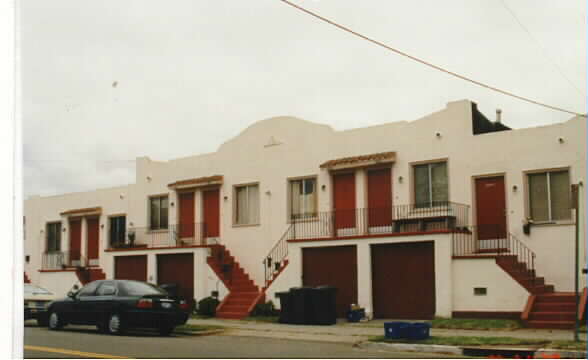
(59, 260)
(398, 219)
(175, 235)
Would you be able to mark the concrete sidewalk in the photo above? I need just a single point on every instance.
(344, 331)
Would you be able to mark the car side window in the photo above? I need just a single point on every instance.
(89, 289)
(107, 288)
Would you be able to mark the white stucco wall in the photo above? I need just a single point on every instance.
(503, 292)
(303, 146)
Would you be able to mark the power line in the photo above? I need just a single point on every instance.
(462, 77)
(559, 69)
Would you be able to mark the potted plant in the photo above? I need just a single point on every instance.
(131, 236)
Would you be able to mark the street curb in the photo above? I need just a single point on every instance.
(200, 333)
(552, 353)
(440, 349)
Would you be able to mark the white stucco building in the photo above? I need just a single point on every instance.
(448, 215)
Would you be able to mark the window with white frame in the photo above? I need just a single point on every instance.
(247, 204)
(54, 237)
(549, 195)
(303, 199)
(431, 186)
(158, 212)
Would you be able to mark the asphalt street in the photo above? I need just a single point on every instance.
(86, 342)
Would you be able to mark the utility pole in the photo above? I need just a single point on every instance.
(576, 206)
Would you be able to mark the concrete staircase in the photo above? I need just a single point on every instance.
(243, 293)
(521, 273)
(89, 274)
(551, 311)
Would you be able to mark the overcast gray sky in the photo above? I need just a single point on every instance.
(106, 81)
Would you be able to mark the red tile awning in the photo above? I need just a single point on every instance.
(201, 181)
(84, 211)
(361, 160)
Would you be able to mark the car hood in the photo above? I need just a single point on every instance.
(43, 297)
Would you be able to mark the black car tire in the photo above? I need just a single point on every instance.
(102, 326)
(166, 330)
(54, 321)
(115, 324)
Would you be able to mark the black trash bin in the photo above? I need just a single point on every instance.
(286, 311)
(301, 305)
(324, 305)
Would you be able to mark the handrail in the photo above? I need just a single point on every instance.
(171, 236)
(276, 256)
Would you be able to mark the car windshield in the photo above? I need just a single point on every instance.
(35, 290)
(136, 288)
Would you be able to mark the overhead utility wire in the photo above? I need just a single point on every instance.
(504, 92)
(559, 69)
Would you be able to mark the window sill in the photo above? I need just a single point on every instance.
(245, 225)
(296, 221)
(553, 223)
(156, 231)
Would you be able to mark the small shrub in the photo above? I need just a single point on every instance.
(267, 309)
(207, 306)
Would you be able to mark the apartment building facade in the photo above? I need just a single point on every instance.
(448, 215)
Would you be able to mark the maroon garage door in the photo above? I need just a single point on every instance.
(403, 280)
(335, 266)
(130, 267)
(177, 269)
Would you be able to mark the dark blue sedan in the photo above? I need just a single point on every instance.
(117, 305)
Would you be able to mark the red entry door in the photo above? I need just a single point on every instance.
(186, 229)
(379, 197)
(211, 208)
(75, 239)
(344, 200)
(491, 208)
(93, 232)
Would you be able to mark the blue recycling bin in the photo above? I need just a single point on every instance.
(419, 331)
(396, 329)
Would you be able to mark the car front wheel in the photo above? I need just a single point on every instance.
(115, 324)
(55, 322)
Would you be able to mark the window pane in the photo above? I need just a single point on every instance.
(295, 201)
(163, 214)
(439, 183)
(89, 289)
(538, 197)
(559, 188)
(253, 204)
(154, 213)
(309, 198)
(241, 215)
(421, 186)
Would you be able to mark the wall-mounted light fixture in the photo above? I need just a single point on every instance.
(560, 140)
(122, 196)
(101, 226)
(42, 231)
(226, 198)
(515, 188)
(323, 187)
(171, 203)
(438, 135)
(400, 179)
(131, 223)
(148, 178)
(268, 192)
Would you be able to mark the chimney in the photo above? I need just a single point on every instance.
(498, 116)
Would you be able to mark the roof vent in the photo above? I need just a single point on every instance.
(499, 116)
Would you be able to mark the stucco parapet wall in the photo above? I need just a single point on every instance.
(361, 160)
(201, 181)
(85, 211)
